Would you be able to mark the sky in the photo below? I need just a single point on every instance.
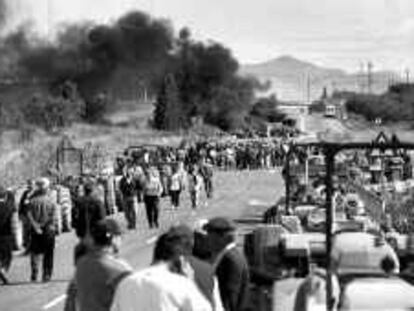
(332, 33)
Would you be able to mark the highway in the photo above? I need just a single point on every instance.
(243, 196)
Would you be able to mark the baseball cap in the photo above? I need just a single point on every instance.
(107, 227)
(219, 224)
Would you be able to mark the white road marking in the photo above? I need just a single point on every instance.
(151, 240)
(257, 203)
(54, 302)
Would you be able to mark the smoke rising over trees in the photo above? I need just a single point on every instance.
(99, 58)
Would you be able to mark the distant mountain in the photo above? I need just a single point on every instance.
(290, 78)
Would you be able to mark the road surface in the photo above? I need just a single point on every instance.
(242, 196)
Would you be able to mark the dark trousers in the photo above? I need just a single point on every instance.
(42, 245)
(26, 233)
(130, 210)
(152, 208)
(208, 186)
(175, 197)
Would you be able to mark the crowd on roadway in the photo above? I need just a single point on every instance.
(148, 184)
(33, 216)
(224, 154)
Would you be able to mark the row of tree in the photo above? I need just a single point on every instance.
(397, 104)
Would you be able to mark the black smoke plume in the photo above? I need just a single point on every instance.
(93, 55)
(3, 12)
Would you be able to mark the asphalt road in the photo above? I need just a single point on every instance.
(242, 196)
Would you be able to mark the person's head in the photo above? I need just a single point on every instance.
(387, 265)
(184, 236)
(130, 171)
(220, 233)
(3, 191)
(43, 185)
(169, 250)
(88, 188)
(107, 233)
(30, 184)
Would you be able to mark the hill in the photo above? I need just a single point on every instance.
(290, 78)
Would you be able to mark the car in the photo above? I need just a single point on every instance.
(361, 252)
(377, 293)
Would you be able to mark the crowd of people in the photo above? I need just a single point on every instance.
(224, 154)
(39, 207)
(178, 278)
(148, 184)
(41, 223)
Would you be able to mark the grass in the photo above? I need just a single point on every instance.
(20, 160)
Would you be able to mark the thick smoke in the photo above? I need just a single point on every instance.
(3, 12)
(91, 54)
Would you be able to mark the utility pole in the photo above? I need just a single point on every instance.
(308, 87)
(369, 76)
(361, 77)
(407, 76)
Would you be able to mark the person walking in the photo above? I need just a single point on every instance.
(164, 286)
(23, 206)
(89, 210)
(43, 217)
(6, 233)
(206, 171)
(99, 270)
(128, 187)
(152, 193)
(229, 264)
(175, 186)
(195, 182)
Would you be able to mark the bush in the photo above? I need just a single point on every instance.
(96, 108)
(395, 105)
(266, 109)
(59, 109)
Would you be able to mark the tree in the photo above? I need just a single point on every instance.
(266, 108)
(58, 109)
(168, 113)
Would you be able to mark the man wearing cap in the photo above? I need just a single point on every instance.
(99, 271)
(229, 264)
(42, 214)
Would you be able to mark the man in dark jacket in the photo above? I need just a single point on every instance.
(23, 206)
(89, 211)
(129, 189)
(229, 264)
(99, 271)
(6, 233)
(43, 217)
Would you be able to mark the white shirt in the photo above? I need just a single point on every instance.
(157, 289)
